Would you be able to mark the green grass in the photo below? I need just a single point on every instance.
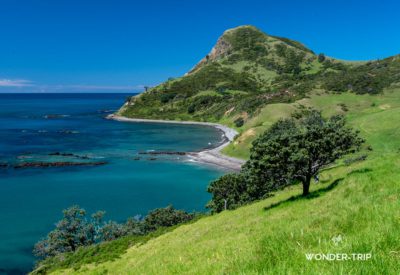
(314, 67)
(359, 202)
(255, 126)
(208, 93)
(258, 71)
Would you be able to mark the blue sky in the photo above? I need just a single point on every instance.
(119, 46)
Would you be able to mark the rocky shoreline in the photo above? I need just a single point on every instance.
(41, 164)
(210, 156)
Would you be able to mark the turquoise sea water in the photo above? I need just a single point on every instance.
(34, 126)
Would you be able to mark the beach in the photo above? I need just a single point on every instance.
(210, 156)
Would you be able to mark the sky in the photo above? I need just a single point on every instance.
(122, 46)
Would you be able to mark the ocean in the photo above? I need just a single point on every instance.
(68, 128)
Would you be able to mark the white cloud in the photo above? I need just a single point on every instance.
(28, 86)
(15, 83)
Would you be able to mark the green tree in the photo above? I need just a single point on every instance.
(111, 231)
(233, 190)
(296, 150)
(72, 231)
(228, 192)
(239, 122)
(321, 57)
(134, 226)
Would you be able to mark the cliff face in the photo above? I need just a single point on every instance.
(220, 50)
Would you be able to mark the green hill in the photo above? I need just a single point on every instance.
(353, 209)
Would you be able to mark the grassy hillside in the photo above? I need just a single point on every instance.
(349, 104)
(356, 200)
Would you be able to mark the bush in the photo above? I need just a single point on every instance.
(191, 109)
(321, 58)
(166, 97)
(239, 122)
(164, 217)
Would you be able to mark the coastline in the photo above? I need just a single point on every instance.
(210, 156)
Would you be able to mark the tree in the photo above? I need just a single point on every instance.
(233, 190)
(239, 122)
(321, 57)
(191, 109)
(71, 232)
(111, 231)
(228, 192)
(293, 150)
(134, 226)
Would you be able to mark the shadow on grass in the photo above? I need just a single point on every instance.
(311, 195)
(360, 171)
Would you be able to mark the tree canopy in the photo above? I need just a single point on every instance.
(296, 150)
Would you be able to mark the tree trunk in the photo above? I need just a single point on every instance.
(306, 186)
(225, 203)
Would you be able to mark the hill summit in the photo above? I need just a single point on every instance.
(246, 42)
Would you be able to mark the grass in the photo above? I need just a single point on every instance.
(255, 126)
(359, 202)
(208, 93)
(260, 72)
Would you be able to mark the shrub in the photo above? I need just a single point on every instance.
(321, 58)
(166, 97)
(239, 122)
(191, 109)
(164, 217)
